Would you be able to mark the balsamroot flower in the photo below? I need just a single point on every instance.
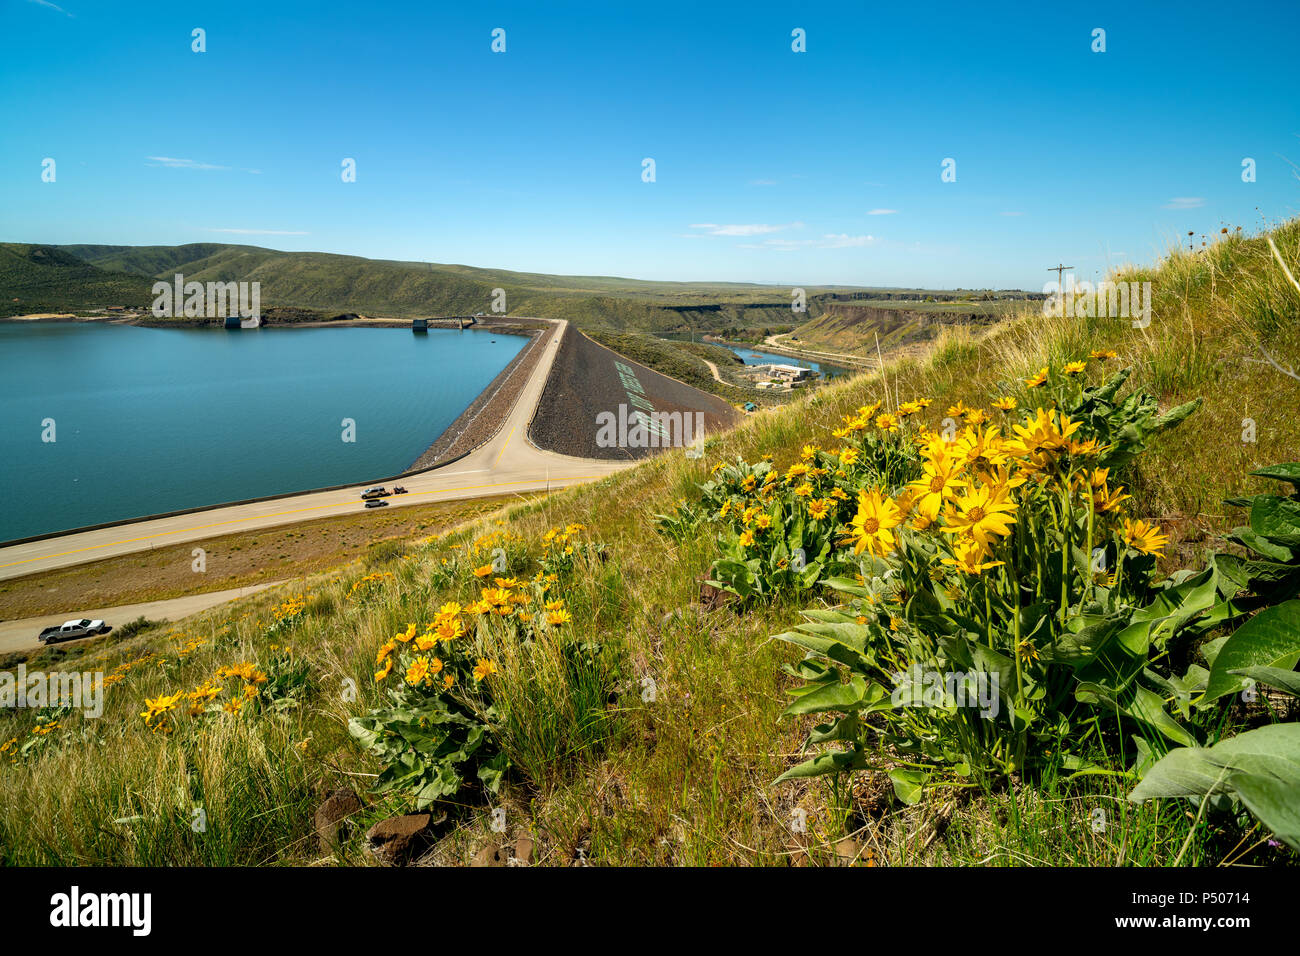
(980, 514)
(872, 526)
(969, 558)
(1144, 537)
(939, 481)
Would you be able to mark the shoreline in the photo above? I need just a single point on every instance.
(468, 430)
(150, 322)
(849, 362)
(432, 458)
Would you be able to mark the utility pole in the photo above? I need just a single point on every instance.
(1059, 270)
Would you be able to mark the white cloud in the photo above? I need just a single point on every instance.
(1185, 202)
(171, 162)
(882, 212)
(51, 6)
(842, 241)
(747, 229)
(828, 241)
(263, 232)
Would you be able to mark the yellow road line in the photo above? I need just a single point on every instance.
(503, 448)
(273, 514)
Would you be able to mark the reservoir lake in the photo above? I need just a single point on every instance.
(150, 420)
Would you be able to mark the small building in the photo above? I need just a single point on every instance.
(419, 325)
(790, 373)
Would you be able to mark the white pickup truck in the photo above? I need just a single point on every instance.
(70, 630)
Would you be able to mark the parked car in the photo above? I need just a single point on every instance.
(71, 630)
(377, 492)
(376, 503)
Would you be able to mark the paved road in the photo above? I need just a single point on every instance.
(505, 464)
(844, 358)
(20, 635)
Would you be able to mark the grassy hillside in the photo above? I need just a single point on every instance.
(379, 287)
(330, 284)
(36, 279)
(640, 721)
(860, 326)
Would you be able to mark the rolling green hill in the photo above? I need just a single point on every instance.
(37, 279)
(856, 327)
(327, 281)
(88, 277)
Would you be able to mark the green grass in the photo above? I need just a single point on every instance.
(88, 277)
(684, 777)
(35, 279)
(337, 283)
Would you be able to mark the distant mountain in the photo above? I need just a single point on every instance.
(51, 279)
(94, 276)
(862, 327)
(85, 277)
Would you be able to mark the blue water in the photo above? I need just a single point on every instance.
(155, 420)
(752, 357)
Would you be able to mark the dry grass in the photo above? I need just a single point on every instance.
(685, 777)
(233, 560)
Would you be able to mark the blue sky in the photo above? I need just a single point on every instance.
(771, 165)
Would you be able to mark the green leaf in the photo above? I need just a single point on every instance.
(834, 761)
(1149, 708)
(1175, 415)
(836, 696)
(1278, 677)
(1261, 767)
(1287, 471)
(1269, 639)
(833, 650)
(1108, 391)
(1276, 518)
(490, 772)
(1274, 802)
(844, 728)
(847, 586)
(1136, 703)
(1261, 545)
(908, 784)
